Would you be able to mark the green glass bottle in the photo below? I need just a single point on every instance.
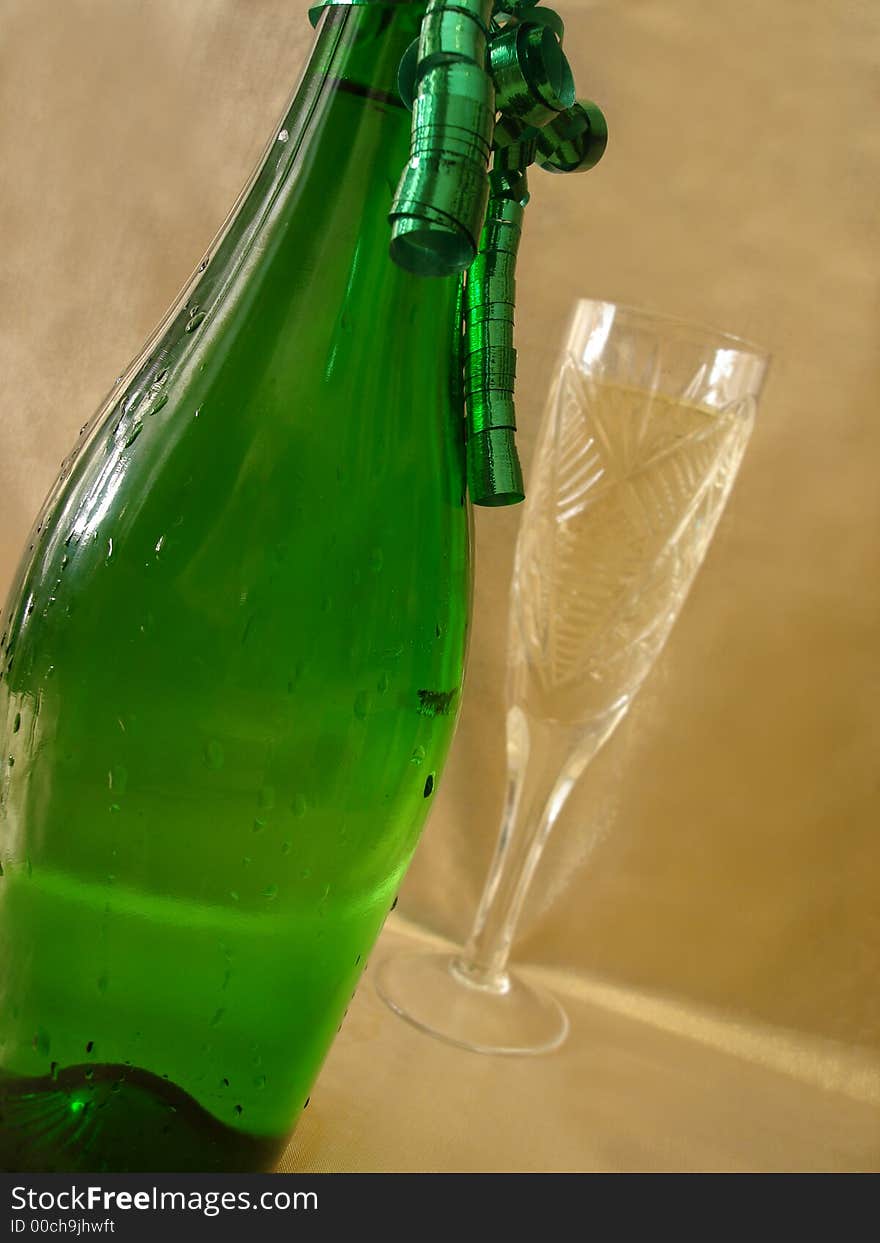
(231, 662)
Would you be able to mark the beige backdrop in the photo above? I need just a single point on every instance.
(725, 849)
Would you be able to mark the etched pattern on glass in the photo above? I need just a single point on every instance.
(626, 490)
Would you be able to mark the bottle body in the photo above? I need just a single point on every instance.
(231, 666)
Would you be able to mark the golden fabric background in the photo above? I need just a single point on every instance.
(723, 854)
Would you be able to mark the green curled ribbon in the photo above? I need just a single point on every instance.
(573, 141)
(533, 81)
(494, 472)
(440, 203)
(491, 93)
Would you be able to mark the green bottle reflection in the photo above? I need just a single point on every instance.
(231, 665)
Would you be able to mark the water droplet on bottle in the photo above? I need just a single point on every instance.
(238, 1111)
(270, 892)
(259, 825)
(218, 1017)
(109, 549)
(196, 319)
(198, 412)
(429, 785)
(214, 755)
(117, 779)
(361, 705)
(159, 404)
(283, 135)
(132, 436)
(159, 542)
(234, 895)
(10, 760)
(203, 264)
(259, 1081)
(285, 848)
(16, 724)
(418, 756)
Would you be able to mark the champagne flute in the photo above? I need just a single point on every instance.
(641, 440)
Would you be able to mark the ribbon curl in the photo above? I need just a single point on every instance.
(491, 93)
(485, 81)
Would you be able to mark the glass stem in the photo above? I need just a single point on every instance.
(544, 762)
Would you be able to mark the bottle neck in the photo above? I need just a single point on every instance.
(355, 58)
(363, 44)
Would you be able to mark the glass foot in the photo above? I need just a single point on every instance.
(435, 993)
